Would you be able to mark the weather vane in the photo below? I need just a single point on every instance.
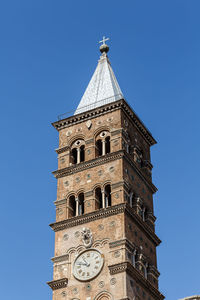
(104, 40)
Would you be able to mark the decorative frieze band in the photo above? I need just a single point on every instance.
(100, 161)
(88, 164)
(58, 284)
(104, 213)
(86, 218)
(120, 104)
(133, 272)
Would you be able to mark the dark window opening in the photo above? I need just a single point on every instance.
(98, 147)
(98, 197)
(107, 196)
(81, 204)
(82, 153)
(72, 207)
(74, 156)
(107, 141)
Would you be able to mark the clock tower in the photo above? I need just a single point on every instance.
(105, 241)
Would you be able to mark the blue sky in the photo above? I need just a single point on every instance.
(48, 52)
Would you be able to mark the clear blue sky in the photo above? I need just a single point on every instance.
(48, 52)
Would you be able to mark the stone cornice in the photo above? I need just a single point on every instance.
(60, 202)
(120, 104)
(100, 161)
(88, 164)
(62, 149)
(86, 218)
(104, 213)
(123, 242)
(138, 123)
(60, 258)
(133, 272)
(58, 284)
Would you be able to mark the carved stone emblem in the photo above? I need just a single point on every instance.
(87, 237)
(89, 124)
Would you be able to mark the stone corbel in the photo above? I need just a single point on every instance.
(58, 284)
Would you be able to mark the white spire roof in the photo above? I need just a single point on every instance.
(103, 87)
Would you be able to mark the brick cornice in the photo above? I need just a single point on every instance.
(123, 242)
(62, 149)
(133, 272)
(88, 164)
(120, 104)
(60, 258)
(100, 161)
(104, 213)
(86, 218)
(58, 284)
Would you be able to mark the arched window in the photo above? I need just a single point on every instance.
(102, 143)
(80, 204)
(78, 152)
(107, 196)
(98, 198)
(72, 206)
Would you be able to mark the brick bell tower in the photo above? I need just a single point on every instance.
(105, 241)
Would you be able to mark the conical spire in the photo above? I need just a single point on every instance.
(103, 87)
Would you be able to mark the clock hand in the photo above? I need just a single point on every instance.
(80, 263)
(87, 264)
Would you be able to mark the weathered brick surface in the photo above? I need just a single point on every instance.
(115, 235)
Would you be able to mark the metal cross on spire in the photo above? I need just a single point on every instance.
(104, 40)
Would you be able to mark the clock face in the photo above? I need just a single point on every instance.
(88, 264)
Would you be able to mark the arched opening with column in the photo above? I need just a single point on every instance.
(77, 152)
(102, 144)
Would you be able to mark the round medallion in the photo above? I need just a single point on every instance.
(88, 265)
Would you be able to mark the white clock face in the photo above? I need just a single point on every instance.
(88, 264)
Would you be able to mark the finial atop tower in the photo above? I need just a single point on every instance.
(103, 87)
(104, 48)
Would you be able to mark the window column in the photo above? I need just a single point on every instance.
(103, 197)
(103, 147)
(77, 206)
(78, 155)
